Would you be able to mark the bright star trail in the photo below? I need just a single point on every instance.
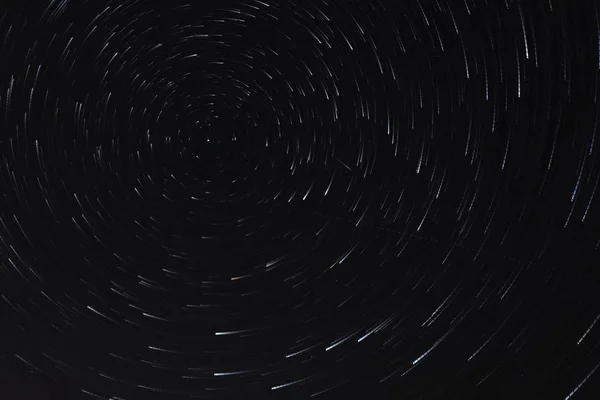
(285, 199)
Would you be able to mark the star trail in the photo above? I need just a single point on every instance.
(287, 199)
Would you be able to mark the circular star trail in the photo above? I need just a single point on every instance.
(292, 200)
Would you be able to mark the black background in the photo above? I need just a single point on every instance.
(296, 174)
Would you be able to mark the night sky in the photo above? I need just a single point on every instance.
(298, 199)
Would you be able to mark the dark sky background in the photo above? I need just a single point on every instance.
(299, 199)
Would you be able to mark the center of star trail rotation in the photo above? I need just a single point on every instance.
(292, 199)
